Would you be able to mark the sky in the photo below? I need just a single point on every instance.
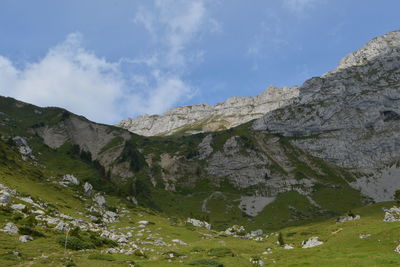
(112, 59)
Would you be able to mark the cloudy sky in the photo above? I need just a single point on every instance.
(110, 59)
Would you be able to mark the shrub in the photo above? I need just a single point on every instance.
(220, 252)
(101, 257)
(280, 239)
(75, 243)
(397, 196)
(206, 263)
(29, 231)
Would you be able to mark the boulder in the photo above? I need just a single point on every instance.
(70, 179)
(348, 218)
(18, 206)
(392, 214)
(180, 242)
(100, 200)
(397, 249)
(288, 247)
(311, 242)
(88, 188)
(4, 197)
(62, 226)
(257, 262)
(25, 238)
(199, 223)
(10, 228)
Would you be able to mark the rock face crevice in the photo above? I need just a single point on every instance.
(206, 118)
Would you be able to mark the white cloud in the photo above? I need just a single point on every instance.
(299, 6)
(73, 78)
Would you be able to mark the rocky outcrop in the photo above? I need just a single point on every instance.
(350, 116)
(311, 242)
(206, 118)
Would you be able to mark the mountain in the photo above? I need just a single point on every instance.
(206, 118)
(351, 116)
(302, 158)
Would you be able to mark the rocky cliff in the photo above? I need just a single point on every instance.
(351, 116)
(206, 118)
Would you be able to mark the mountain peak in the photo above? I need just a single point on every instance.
(387, 45)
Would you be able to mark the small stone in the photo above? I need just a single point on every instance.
(180, 242)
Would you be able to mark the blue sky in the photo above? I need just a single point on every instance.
(108, 60)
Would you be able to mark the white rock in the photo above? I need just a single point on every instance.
(40, 212)
(25, 238)
(70, 179)
(312, 242)
(27, 200)
(10, 228)
(88, 188)
(143, 222)
(199, 223)
(364, 236)
(4, 197)
(18, 206)
(397, 249)
(100, 200)
(256, 261)
(392, 215)
(23, 147)
(62, 226)
(288, 247)
(180, 242)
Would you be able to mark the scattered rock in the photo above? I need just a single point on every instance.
(133, 200)
(25, 238)
(311, 242)
(88, 188)
(199, 223)
(180, 242)
(40, 212)
(23, 147)
(257, 261)
(100, 200)
(392, 214)
(236, 230)
(397, 249)
(288, 247)
(18, 206)
(70, 179)
(10, 228)
(62, 226)
(364, 236)
(143, 222)
(4, 197)
(348, 218)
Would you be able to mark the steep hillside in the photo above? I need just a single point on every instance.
(226, 177)
(38, 209)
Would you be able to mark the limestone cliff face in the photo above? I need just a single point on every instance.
(351, 116)
(206, 118)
